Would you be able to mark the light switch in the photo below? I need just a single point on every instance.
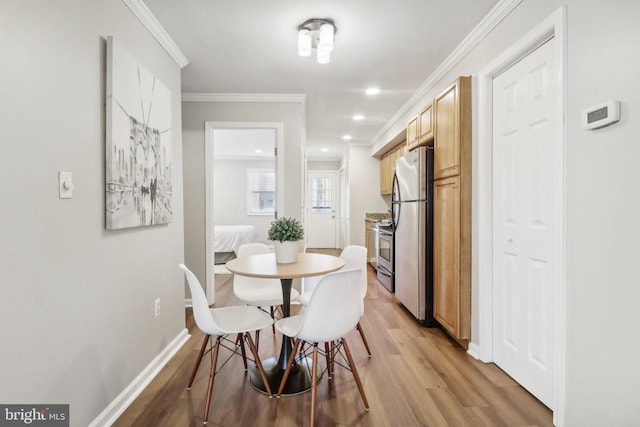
(65, 185)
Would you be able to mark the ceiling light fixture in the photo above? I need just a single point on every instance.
(372, 91)
(319, 34)
(358, 117)
(346, 137)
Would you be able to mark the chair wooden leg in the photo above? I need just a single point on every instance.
(200, 354)
(287, 371)
(257, 340)
(263, 375)
(314, 385)
(354, 371)
(328, 357)
(240, 342)
(212, 376)
(364, 340)
(333, 356)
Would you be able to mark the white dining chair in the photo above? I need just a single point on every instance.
(257, 291)
(218, 323)
(355, 257)
(333, 311)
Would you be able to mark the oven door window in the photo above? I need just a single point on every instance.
(384, 250)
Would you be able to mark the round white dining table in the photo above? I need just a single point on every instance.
(265, 266)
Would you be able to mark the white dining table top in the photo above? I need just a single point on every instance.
(265, 266)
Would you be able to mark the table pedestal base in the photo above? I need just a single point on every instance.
(298, 382)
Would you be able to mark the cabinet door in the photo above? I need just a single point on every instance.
(385, 171)
(446, 250)
(425, 125)
(367, 239)
(446, 157)
(412, 132)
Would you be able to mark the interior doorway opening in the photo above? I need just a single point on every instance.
(243, 189)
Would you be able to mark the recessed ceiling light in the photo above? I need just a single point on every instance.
(258, 151)
(346, 137)
(358, 117)
(324, 150)
(372, 91)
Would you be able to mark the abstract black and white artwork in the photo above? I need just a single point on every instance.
(138, 144)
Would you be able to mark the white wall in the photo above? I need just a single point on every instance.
(230, 187)
(195, 114)
(364, 191)
(322, 165)
(77, 305)
(602, 205)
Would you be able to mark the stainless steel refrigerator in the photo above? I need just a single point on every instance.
(412, 212)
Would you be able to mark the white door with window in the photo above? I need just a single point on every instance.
(527, 173)
(321, 209)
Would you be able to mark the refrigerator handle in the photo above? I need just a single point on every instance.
(395, 189)
(395, 206)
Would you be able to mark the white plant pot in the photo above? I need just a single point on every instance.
(286, 252)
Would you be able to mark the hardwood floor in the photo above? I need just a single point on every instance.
(416, 377)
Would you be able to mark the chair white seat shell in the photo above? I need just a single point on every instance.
(355, 257)
(238, 321)
(334, 310)
(256, 291)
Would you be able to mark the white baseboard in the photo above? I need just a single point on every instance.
(133, 390)
(474, 351)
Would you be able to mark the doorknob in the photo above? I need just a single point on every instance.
(510, 239)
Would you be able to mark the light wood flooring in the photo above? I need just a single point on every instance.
(416, 377)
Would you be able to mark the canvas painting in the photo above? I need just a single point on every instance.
(138, 144)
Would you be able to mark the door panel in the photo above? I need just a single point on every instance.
(446, 238)
(525, 123)
(321, 215)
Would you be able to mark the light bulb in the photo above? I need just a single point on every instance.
(326, 37)
(323, 56)
(304, 42)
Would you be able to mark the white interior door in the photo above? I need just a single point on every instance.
(321, 209)
(527, 170)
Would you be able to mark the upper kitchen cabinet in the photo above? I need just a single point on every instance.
(452, 136)
(412, 133)
(420, 128)
(388, 166)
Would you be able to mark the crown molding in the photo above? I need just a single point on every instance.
(144, 15)
(490, 21)
(244, 97)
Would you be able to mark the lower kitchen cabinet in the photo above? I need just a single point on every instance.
(452, 256)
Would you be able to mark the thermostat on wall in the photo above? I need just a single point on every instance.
(601, 115)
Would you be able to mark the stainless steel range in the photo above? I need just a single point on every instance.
(385, 254)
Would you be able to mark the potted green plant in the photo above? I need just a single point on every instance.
(285, 233)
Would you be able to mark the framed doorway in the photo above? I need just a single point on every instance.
(554, 28)
(215, 130)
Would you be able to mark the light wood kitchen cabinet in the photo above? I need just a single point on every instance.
(387, 168)
(452, 135)
(423, 124)
(452, 210)
(452, 260)
(369, 241)
(412, 133)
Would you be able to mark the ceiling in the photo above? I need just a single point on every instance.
(250, 47)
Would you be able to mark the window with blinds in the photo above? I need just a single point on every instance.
(261, 192)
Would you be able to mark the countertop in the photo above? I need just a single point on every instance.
(376, 216)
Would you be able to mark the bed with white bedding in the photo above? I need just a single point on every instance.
(228, 238)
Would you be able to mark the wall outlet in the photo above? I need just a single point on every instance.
(157, 307)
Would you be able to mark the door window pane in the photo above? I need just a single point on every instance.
(321, 195)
